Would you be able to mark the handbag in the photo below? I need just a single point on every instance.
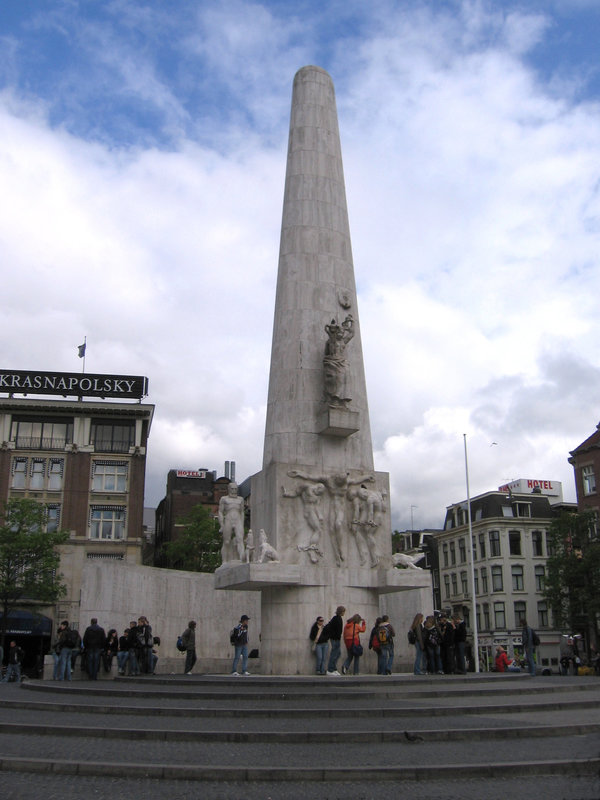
(357, 649)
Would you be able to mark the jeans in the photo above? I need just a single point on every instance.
(459, 653)
(529, 657)
(348, 661)
(385, 659)
(133, 664)
(64, 664)
(240, 650)
(334, 655)
(122, 657)
(56, 657)
(435, 659)
(190, 660)
(419, 659)
(12, 669)
(93, 662)
(321, 656)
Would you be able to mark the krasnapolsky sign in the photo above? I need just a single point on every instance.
(125, 387)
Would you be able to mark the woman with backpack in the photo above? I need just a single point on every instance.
(416, 637)
(352, 630)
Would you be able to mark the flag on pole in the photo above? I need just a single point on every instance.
(81, 350)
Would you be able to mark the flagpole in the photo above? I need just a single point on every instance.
(472, 561)
(84, 351)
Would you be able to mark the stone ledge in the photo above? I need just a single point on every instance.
(338, 422)
(256, 576)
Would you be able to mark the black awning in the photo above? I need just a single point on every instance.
(27, 623)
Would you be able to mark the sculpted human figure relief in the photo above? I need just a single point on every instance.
(249, 547)
(231, 521)
(337, 485)
(266, 551)
(368, 508)
(311, 495)
(334, 362)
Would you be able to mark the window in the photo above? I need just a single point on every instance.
(112, 437)
(454, 584)
(536, 543)
(478, 616)
(486, 616)
(497, 583)
(494, 544)
(445, 553)
(542, 614)
(464, 583)
(446, 586)
(452, 553)
(520, 609)
(474, 549)
(30, 434)
(109, 476)
(507, 511)
(549, 545)
(499, 616)
(482, 545)
(514, 543)
(52, 518)
(517, 577)
(484, 580)
(522, 509)
(476, 574)
(107, 522)
(37, 474)
(540, 577)
(589, 479)
(462, 551)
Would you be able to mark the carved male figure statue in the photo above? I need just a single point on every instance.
(337, 485)
(371, 516)
(266, 551)
(334, 362)
(231, 521)
(311, 498)
(249, 547)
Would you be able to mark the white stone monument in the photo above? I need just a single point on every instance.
(317, 496)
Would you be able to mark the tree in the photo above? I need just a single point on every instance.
(197, 547)
(572, 586)
(29, 558)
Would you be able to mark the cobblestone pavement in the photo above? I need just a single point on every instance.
(16, 786)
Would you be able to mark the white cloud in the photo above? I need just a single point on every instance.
(474, 208)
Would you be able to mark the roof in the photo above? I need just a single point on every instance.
(591, 443)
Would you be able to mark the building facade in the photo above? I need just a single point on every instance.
(186, 489)
(84, 459)
(585, 460)
(510, 547)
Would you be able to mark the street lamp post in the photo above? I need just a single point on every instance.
(472, 563)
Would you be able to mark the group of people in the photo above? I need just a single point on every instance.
(440, 644)
(327, 643)
(135, 650)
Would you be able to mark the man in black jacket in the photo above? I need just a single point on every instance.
(15, 656)
(335, 627)
(94, 640)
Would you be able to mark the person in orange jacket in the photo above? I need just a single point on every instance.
(352, 630)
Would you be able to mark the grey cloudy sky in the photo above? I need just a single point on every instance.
(142, 159)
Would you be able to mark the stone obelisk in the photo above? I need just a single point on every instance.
(319, 512)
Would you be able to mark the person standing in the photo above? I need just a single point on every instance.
(335, 627)
(418, 639)
(132, 649)
(94, 640)
(460, 643)
(352, 630)
(189, 642)
(320, 639)
(15, 656)
(67, 640)
(123, 653)
(530, 642)
(385, 634)
(240, 642)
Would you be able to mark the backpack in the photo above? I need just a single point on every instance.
(234, 636)
(383, 634)
(180, 645)
(412, 636)
(71, 638)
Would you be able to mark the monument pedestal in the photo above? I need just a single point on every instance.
(291, 595)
